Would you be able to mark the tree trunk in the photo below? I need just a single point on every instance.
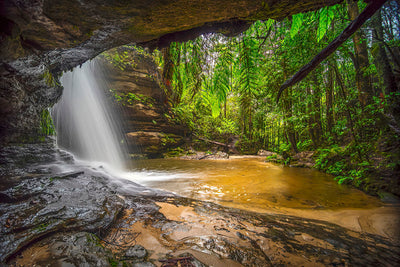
(344, 97)
(384, 68)
(291, 134)
(311, 120)
(329, 100)
(167, 74)
(361, 64)
(317, 126)
(380, 57)
(287, 109)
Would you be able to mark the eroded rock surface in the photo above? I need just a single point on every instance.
(54, 212)
(135, 81)
(41, 197)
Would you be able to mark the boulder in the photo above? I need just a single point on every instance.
(303, 159)
(265, 153)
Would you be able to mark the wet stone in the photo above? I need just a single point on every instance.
(37, 203)
(49, 225)
(195, 262)
(143, 264)
(136, 252)
(389, 198)
(65, 249)
(241, 236)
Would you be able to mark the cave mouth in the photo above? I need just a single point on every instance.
(45, 38)
(43, 52)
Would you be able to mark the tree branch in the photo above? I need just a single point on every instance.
(329, 49)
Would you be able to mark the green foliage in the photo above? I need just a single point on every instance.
(337, 168)
(131, 98)
(326, 16)
(268, 24)
(42, 227)
(175, 152)
(297, 21)
(221, 87)
(113, 262)
(92, 238)
(284, 148)
(46, 123)
(123, 57)
(227, 126)
(141, 51)
(121, 60)
(50, 79)
(304, 145)
(168, 140)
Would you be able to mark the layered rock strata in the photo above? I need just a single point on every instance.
(136, 90)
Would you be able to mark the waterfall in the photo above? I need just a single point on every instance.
(85, 122)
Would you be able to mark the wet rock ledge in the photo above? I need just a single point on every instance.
(54, 212)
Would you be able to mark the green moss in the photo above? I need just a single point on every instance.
(131, 98)
(46, 123)
(89, 34)
(113, 262)
(175, 152)
(49, 79)
(93, 239)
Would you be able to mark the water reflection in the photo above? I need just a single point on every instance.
(250, 183)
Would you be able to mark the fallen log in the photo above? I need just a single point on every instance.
(212, 142)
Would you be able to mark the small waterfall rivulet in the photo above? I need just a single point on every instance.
(85, 123)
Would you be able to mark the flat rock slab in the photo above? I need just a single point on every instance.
(219, 236)
(40, 199)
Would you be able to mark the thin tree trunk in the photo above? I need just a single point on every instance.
(363, 80)
(287, 108)
(348, 112)
(310, 120)
(317, 127)
(384, 68)
(167, 73)
(329, 100)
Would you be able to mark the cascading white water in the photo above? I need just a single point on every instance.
(85, 123)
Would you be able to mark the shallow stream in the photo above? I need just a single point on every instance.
(249, 183)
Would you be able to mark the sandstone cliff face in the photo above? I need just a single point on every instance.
(42, 38)
(135, 86)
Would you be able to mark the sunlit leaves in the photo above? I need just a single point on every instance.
(326, 15)
(222, 80)
(297, 21)
(268, 24)
(248, 86)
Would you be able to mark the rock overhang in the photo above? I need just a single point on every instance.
(38, 26)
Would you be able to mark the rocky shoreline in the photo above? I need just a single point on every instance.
(55, 212)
